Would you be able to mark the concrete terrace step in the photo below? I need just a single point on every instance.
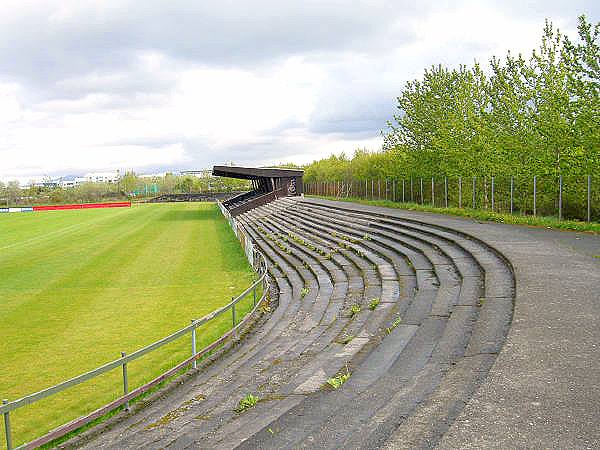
(415, 359)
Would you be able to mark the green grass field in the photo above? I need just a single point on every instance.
(77, 287)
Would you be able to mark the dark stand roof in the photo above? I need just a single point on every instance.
(252, 173)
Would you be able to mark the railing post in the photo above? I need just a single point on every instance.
(512, 193)
(421, 190)
(125, 381)
(372, 189)
(394, 190)
(535, 195)
(433, 191)
(589, 198)
(233, 314)
(7, 427)
(460, 192)
(386, 188)
(474, 188)
(194, 364)
(560, 190)
(411, 191)
(378, 189)
(492, 194)
(254, 295)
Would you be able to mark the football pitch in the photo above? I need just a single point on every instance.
(78, 287)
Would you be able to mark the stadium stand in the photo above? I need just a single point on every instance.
(268, 185)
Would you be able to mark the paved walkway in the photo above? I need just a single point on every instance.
(544, 389)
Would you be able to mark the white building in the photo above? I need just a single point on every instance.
(204, 173)
(71, 181)
(153, 175)
(103, 177)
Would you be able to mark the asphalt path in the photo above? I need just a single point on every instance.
(544, 388)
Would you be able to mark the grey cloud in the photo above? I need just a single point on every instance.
(59, 57)
(207, 32)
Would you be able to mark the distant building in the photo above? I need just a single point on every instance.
(71, 181)
(47, 182)
(103, 177)
(153, 175)
(204, 173)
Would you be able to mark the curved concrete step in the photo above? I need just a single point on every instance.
(409, 377)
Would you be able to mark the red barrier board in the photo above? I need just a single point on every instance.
(83, 206)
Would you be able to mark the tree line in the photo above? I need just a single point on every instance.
(130, 186)
(523, 117)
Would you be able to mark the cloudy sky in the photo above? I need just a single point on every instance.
(181, 84)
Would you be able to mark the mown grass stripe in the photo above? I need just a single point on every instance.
(99, 282)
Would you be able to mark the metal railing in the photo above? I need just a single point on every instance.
(561, 197)
(8, 406)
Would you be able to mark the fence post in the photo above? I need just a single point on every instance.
(125, 381)
(512, 193)
(372, 189)
(386, 188)
(535, 195)
(492, 194)
(378, 189)
(194, 364)
(403, 183)
(7, 427)
(474, 188)
(460, 192)
(254, 296)
(446, 191)
(394, 190)
(589, 198)
(560, 189)
(411, 190)
(421, 190)
(433, 191)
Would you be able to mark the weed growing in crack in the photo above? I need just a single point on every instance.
(347, 339)
(337, 381)
(249, 401)
(395, 323)
(354, 309)
(374, 303)
(304, 292)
